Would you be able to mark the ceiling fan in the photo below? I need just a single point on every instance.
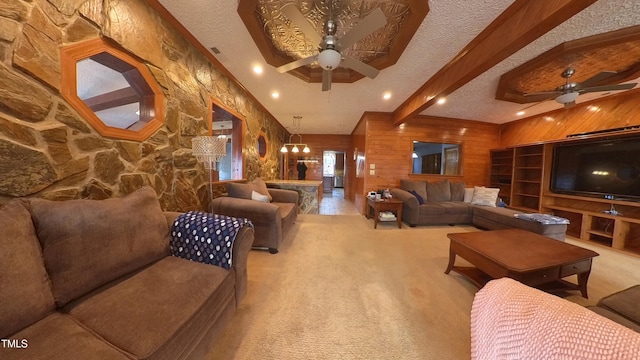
(329, 56)
(567, 93)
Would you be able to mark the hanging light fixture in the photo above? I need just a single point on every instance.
(295, 146)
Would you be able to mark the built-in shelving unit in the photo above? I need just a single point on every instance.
(528, 186)
(528, 164)
(519, 173)
(502, 172)
(589, 222)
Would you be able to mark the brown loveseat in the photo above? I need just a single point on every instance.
(93, 279)
(444, 203)
(272, 217)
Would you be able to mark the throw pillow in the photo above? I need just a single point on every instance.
(259, 197)
(485, 196)
(419, 187)
(457, 191)
(438, 191)
(240, 191)
(420, 199)
(468, 195)
(261, 187)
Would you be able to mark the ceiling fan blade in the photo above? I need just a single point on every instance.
(541, 96)
(302, 23)
(596, 79)
(608, 88)
(359, 66)
(326, 80)
(364, 27)
(296, 64)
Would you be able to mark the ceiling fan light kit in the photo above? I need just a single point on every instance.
(329, 59)
(568, 93)
(568, 97)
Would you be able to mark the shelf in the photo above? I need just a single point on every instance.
(600, 233)
(527, 181)
(528, 195)
(532, 154)
(590, 224)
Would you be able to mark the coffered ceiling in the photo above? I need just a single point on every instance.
(280, 41)
(482, 55)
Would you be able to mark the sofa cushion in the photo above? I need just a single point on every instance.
(419, 187)
(430, 208)
(240, 191)
(87, 243)
(59, 336)
(485, 196)
(624, 302)
(173, 299)
(468, 195)
(261, 187)
(438, 191)
(457, 191)
(418, 197)
(455, 207)
(25, 291)
(259, 197)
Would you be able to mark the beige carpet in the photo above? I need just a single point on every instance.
(339, 289)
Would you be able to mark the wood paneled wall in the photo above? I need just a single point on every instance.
(358, 136)
(318, 144)
(389, 148)
(615, 111)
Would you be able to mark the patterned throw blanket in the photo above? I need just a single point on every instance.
(206, 238)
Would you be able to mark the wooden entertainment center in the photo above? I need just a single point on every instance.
(523, 175)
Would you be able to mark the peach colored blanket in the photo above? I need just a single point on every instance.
(512, 321)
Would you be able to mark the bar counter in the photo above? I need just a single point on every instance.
(310, 193)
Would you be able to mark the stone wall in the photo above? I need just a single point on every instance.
(47, 150)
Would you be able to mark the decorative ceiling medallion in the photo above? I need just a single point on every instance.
(280, 42)
(617, 51)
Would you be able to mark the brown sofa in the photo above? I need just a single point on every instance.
(443, 203)
(94, 279)
(272, 218)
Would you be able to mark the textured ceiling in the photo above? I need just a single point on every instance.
(446, 30)
(615, 51)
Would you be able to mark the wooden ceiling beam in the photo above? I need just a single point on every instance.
(520, 24)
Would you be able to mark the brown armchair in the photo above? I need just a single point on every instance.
(271, 220)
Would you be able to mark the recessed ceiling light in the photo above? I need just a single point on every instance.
(386, 96)
(520, 113)
(441, 101)
(257, 69)
(275, 94)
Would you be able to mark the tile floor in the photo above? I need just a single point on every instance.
(334, 203)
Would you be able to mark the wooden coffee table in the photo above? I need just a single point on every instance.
(377, 206)
(530, 258)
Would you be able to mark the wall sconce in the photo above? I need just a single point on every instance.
(295, 149)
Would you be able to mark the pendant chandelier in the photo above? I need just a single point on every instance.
(295, 147)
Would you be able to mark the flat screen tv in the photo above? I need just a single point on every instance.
(604, 168)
